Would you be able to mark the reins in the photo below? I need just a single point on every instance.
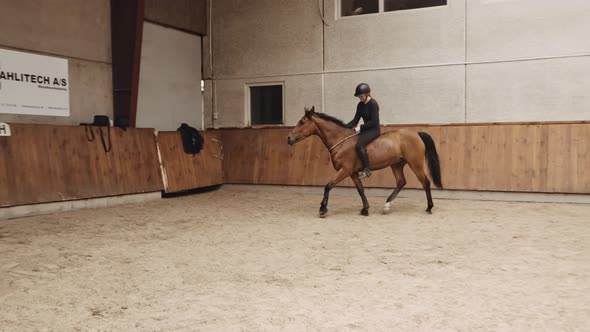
(342, 140)
(324, 137)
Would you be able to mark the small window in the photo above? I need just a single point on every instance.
(362, 7)
(266, 104)
(392, 5)
(359, 7)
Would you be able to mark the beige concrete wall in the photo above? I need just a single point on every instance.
(208, 106)
(69, 28)
(265, 37)
(501, 30)
(207, 45)
(188, 15)
(551, 85)
(434, 35)
(448, 64)
(405, 96)
(541, 90)
(169, 79)
(300, 91)
(77, 30)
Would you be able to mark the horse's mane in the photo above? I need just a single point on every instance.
(331, 119)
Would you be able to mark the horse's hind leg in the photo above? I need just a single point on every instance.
(418, 169)
(340, 175)
(361, 190)
(400, 182)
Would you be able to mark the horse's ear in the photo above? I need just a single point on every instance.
(312, 109)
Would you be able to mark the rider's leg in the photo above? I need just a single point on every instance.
(364, 139)
(362, 152)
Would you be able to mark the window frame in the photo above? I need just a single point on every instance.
(248, 104)
(381, 10)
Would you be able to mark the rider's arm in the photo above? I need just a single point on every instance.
(357, 117)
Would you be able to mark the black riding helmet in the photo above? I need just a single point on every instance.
(362, 89)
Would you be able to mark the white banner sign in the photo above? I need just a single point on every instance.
(33, 84)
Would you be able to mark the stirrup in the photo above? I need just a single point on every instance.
(365, 173)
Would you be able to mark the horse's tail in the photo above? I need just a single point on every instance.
(432, 158)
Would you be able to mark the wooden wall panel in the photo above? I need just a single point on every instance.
(262, 156)
(183, 171)
(42, 163)
(517, 157)
(496, 157)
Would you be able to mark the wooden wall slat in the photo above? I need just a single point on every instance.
(527, 157)
(43, 163)
(186, 171)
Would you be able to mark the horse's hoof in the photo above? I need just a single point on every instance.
(386, 208)
(323, 212)
(365, 212)
(428, 211)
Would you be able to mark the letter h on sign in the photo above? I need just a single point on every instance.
(4, 129)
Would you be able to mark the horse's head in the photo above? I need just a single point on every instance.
(305, 127)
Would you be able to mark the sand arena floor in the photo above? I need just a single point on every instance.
(242, 260)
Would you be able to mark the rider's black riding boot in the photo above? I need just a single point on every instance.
(365, 159)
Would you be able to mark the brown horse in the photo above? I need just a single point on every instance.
(392, 149)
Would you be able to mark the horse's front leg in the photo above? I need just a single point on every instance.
(361, 190)
(340, 175)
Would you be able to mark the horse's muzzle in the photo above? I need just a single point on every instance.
(291, 140)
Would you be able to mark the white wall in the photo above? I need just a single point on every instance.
(169, 79)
